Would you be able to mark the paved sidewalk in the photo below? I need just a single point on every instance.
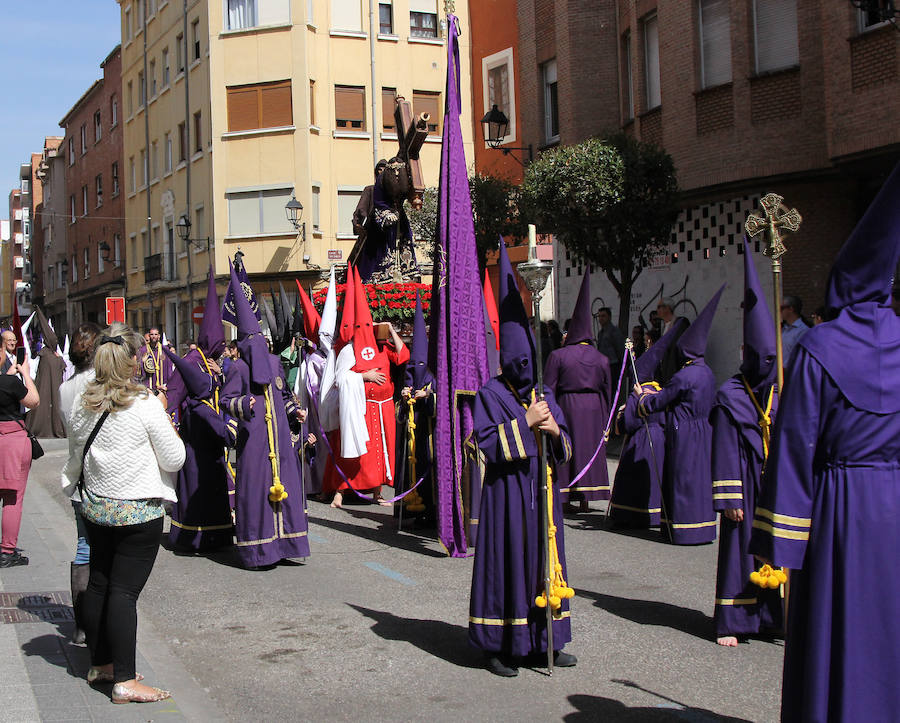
(42, 673)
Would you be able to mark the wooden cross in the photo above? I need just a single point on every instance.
(411, 134)
(776, 217)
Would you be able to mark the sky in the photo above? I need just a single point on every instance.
(50, 53)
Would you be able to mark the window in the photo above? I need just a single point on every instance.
(385, 18)
(179, 52)
(98, 188)
(312, 103)
(875, 13)
(309, 11)
(198, 135)
(388, 103)
(316, 192)
(497, 74)
(195, 37)
(423, 19)
(98, 128)
(25, 185)
(83, 139)
(130, 99)
(145, 243)
(168, 151)
(134, 251)
(265, 105)
(241, 14)
(142, 89)
(151, 69)
(115, 178)
(145, 169)
(651, 62)
(165, 68)
(154, 160)
(132, 187)
(346, 15)
(197, 230)
(775, 27)
(258, 212)
(129, 31)
(113, 112)
(74, 268)
(350, 107)
(426, 101)
(87, 262)
(99, 259)
(140, 13)
(84, 200)
(252, 13)
(347, 202)
(71, 151)
(182, 143)
(61, 277)
(551, 102)
(151, 8)
(715, 43)
(117, 249)
(628, 95)
(72, 209)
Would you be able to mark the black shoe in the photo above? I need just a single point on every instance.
(498, 667)
(12, 559)
(564, 660)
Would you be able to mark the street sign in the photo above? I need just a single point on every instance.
(115, 309)
(197, 314)
(335, 254)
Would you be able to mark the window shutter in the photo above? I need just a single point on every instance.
(776, 35)
(388, 103)
(349, 107)
(346, 15)
(425, 102)
(275, 105)
(423, 6)
(651, 60)
(243, 110)
(715, 30)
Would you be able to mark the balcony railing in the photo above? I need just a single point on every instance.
(161, 267)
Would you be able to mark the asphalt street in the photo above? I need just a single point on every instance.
(373, 627)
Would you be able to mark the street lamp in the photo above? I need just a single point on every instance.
(496, 128)
(104, 250)
(293, 209)
(184, 232)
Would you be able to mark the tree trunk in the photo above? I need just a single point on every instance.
(625, 308)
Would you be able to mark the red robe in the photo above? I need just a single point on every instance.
(376, 467)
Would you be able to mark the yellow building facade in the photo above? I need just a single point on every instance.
(285, 97)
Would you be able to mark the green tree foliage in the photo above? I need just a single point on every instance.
(495, 205)
(611, 201)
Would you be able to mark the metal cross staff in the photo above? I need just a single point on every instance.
(776, 217)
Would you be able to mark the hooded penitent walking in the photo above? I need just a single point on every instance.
(579, 377)
(270, 518)
(45, 420)
(830, 502)
(687, 400)
(742, 419)
(635, 500)
(507, 577)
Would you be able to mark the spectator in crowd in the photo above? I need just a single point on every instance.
(610, 341)
(793, 326)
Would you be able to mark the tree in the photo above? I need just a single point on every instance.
(423, 223)
(495, 204)
(611, 201)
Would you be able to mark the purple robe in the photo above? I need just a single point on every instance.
(266, 531)
(508, 571)
(579, 377)
(830, 510)
(423, 417)
(237, 381)
(635, 500)
(687, 478)
(201, 519)
(741, 607)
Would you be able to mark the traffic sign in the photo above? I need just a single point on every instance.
(197, 314)
(115, 309)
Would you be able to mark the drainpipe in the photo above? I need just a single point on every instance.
(373, 36)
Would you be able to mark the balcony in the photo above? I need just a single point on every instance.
(160, 267)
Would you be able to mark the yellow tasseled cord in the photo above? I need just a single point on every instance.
(209, 371)
(276, 492)
(412, 501)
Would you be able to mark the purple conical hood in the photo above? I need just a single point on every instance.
(517, 357)
(211, 336)
(692, 343)
(197, 382)
(648, 361)
(247, 323)
(580, 327)
(865, 265)
(759, 365)
(418, 355)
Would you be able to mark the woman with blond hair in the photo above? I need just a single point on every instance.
(122, 451)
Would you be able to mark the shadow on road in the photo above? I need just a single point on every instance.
(595, 708)
(58, 650)
(442, 640)
(385, 535)
(651, 612)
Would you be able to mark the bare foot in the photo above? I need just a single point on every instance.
(338, 500)
(585, 506)
(727, 641)
(379, 500)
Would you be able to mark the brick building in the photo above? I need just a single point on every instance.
(94, 210)
(799, 97)
(50, 221)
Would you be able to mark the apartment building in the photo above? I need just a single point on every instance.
(237, 106)
(6, 270)
(52, 219)
(93, 266)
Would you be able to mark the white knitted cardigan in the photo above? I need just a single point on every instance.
(132, 456)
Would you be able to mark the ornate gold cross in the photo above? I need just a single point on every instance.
(776, 216)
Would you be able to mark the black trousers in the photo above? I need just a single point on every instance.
(121, 561)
